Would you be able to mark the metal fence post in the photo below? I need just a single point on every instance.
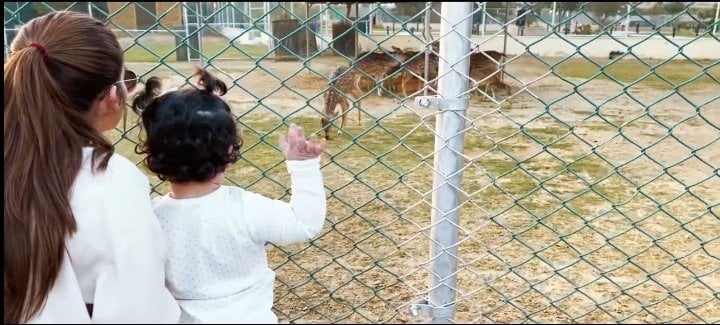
(452, 102)
(717, 14)
(505, 37)
(484, 13)
(428, 42)
(199, 18)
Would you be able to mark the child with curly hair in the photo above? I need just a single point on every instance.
(217, 267)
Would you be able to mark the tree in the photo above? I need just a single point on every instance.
(657, 9)
(706, 15)
(567, 6)
(673, 8)
(40, 8)
(409, 9)
(604, 11)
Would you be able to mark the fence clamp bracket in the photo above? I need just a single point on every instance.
(421, 307)
(442, 104)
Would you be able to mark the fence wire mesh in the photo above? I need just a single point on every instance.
(590, 169)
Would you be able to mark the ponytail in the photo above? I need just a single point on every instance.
(60, 64)
(209, 83)
(147, 95)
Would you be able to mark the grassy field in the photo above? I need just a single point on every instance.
(153, 48)
(525, 221)
(569, 212)
(653, 73)
(632, 72)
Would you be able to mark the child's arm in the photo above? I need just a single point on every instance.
(302, 219)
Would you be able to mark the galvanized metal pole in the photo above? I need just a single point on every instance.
(89, 5)
(228, 11)
(371, 26)
(307, 30)
(232, 15)
(505, 26)
(484, 12)
(627, 20)
(267, 21)
(717, 15)
(187, 29)
(450, 123)
(199, 16)
(553, 15)
(428, 11)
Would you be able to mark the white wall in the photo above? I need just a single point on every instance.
(655, 47)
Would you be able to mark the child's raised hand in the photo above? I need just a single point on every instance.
(296, 147)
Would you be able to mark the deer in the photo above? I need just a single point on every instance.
(408, 80)
(345, 81)
(484, 70)
(375, 65)
(354, 81)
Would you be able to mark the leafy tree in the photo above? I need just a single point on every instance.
(673, 8)
(565, 8)
(707, 15)
(657, 9)
(409, 9)
(604, 11)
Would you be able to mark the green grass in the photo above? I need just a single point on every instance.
(152, 50)
(630, 70)
(389, 157)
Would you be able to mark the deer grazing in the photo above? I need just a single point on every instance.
(375, 65)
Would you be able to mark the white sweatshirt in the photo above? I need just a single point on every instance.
(115, 260)
(217, 265)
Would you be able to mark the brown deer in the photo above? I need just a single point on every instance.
(484, 71)
(354, 81)
(345, 81)
(375, 65)
(409, 81)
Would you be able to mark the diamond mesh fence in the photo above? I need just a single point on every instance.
(586, 176)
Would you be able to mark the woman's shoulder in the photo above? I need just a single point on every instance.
(119, 169)
(111, 201)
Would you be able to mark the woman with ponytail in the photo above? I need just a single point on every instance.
(82, 243)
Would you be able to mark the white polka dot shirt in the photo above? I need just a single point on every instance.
(217, 265)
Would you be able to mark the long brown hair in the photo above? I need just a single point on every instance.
(61, 63)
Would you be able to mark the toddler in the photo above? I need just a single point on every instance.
(217, 266)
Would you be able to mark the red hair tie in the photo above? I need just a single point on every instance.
(42, 51)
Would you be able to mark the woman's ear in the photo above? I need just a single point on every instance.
(110, 101)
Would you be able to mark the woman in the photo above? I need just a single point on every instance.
(81, 241)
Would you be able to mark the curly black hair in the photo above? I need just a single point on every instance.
(190, 134)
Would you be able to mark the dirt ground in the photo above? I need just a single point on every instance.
(571, 213)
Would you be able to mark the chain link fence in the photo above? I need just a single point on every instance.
(500, 177)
